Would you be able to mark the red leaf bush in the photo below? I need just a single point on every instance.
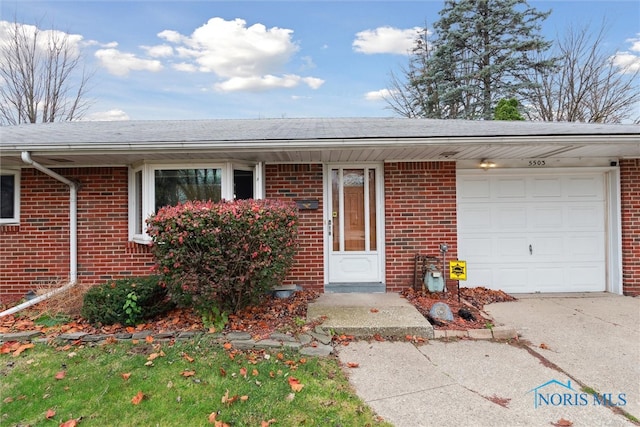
(222, 257)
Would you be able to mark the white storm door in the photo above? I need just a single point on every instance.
(353, 225)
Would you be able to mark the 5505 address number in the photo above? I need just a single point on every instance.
(537, 163)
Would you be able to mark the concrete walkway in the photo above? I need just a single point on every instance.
(367, 314)
(566, 343)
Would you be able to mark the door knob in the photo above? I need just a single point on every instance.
(530, 250)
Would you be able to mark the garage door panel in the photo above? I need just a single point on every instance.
(509, 248)
(508, 217)
(586, 247)
(566, 232)
(581, 216)
(475, 188)
(585, 187)
(510, 189)
(546, 216)
(476, 217)
(545, 188)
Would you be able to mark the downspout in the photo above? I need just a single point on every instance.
(73, 235)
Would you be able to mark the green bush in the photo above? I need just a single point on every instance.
(221, 257)
(126, 301)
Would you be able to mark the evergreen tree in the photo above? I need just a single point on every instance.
(507, 109)
(481, 52)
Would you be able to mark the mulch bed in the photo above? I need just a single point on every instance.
(472, 302)
(288, 314)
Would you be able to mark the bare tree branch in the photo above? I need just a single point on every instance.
(42, 78)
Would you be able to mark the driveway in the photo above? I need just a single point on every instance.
(568, 342)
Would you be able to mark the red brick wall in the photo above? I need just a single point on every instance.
(296, 182)
(36, 252)
(630, 205)
(420, 211)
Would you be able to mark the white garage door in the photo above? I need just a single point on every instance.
(534, 232)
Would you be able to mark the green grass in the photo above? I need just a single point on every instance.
(94, 389)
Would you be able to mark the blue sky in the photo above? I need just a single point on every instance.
(257, 59)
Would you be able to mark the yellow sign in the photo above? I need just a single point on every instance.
(458, 270)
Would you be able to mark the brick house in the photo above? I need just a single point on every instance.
(531, 207)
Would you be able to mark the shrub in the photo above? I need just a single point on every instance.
(219, 257)
(126, 301)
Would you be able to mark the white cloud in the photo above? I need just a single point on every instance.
(266, 82)
(183, 66)
(158, 51)
(246, 58)
(106, 116)
(629, 61)
(386, 40)
(121, 63)
(377, 95)
(74, 41)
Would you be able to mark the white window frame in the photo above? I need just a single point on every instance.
(16, 197)
(147, 203)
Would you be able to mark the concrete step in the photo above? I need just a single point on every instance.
(364, 315)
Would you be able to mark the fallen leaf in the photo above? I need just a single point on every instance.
(125, 376)
(60, 375)
(562, 423)
(22, 348)
(255, 372)
(228, 400)
(50, 414)
(153, 356)
(223, 373)
(352, 365)
(187, 358)
(187, 374)
(149, 339)
(280, 356)
(8, 399)
(303, 361)
(227, 346)
(374, 310)
(212, 417)
(267, 423)
(70, 423)
(544, 346)
(243, 372)
(290, 397)
(244, 398)
(149, 363)
(295, 385)
(138, 398)
(378, 337)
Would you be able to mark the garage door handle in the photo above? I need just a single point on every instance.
(530, 250)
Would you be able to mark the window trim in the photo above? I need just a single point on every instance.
(146, 206)
(16, 197)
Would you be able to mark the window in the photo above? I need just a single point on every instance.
(154, 186)
(9, 197)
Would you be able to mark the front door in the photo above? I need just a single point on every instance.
(354, 226)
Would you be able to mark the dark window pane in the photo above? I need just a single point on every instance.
(179, 185)
(7, 196)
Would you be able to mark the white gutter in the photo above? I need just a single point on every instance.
(73, 235)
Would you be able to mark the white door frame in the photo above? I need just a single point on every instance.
(380, 216)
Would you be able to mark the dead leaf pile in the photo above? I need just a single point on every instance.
(472, 300)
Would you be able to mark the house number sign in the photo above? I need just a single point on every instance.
(537, 163)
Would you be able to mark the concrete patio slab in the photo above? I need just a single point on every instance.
(368, 314)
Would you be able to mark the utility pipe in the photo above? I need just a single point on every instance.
(73, 234)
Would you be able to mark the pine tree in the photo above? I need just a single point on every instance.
(481, 51)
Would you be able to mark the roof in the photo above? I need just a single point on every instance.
(312, 140)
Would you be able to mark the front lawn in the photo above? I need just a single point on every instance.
(192, 383)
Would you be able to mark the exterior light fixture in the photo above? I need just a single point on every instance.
(486, 164)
